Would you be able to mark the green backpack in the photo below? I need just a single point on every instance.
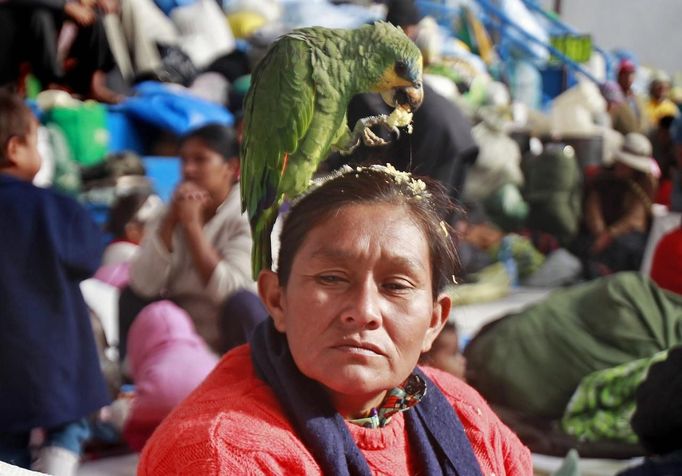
(553, 191)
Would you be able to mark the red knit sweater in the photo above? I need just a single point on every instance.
(232, 424)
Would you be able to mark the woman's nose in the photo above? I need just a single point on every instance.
(364, 307)
(188, 169)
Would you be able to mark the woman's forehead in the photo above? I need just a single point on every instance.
(366, 219)
(361, 229)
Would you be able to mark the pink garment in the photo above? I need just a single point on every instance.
(115, 269)
(116, 275)
(167, 361)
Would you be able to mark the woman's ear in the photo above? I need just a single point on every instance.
(273, 298)
(235, 164)
(233, 168)
(439, 317)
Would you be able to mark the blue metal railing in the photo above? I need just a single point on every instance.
(534, 6)
(494, 12)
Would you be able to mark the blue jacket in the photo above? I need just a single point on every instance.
(49, 369)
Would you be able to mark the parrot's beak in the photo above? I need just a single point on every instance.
(409, 98)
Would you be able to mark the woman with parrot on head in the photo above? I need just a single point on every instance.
(329, 383)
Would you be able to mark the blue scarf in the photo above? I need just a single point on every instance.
(434, 430)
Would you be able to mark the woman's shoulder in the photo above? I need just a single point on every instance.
(496, 447)
(463, 396)
(232, 420)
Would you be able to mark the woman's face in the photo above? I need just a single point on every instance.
(206, 167)
(358, 308)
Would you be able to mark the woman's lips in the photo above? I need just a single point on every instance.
(364, 348)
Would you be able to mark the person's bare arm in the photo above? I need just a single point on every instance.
(636, 219)
(83, 15)
(594, 220)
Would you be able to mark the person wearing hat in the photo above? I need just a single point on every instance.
(617, 209)
(626, 77)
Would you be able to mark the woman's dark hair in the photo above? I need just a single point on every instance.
(15, 120)
(425, 200)
(217, 137)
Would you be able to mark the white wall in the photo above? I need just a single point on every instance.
(652, 29)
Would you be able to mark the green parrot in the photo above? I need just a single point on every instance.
(295, 111)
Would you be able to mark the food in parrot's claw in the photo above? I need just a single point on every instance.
(400, 117)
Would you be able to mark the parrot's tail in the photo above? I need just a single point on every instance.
(261, 253)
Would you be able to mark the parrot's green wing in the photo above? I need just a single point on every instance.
(277, 114)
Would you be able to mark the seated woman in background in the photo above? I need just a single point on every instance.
(617, 210)
(197, 253)
(330, 383)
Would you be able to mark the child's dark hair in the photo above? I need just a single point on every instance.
(123, 211)
(217, 137)
(15, 119)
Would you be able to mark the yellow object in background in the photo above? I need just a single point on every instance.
(245, 23)
(485, 46)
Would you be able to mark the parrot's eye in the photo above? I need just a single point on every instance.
(400, 68)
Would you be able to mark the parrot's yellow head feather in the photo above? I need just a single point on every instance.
(400, 67)
(390, 80)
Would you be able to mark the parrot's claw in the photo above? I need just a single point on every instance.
(363, 132)
(370, 139)
(381, 120)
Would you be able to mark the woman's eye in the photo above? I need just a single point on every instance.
(329, 279)
(397, 286)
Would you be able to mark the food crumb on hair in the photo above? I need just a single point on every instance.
(444, 228)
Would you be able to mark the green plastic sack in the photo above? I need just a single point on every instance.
(85, 129)
(604, 402)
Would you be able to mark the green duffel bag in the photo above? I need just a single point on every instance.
(85, 129)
